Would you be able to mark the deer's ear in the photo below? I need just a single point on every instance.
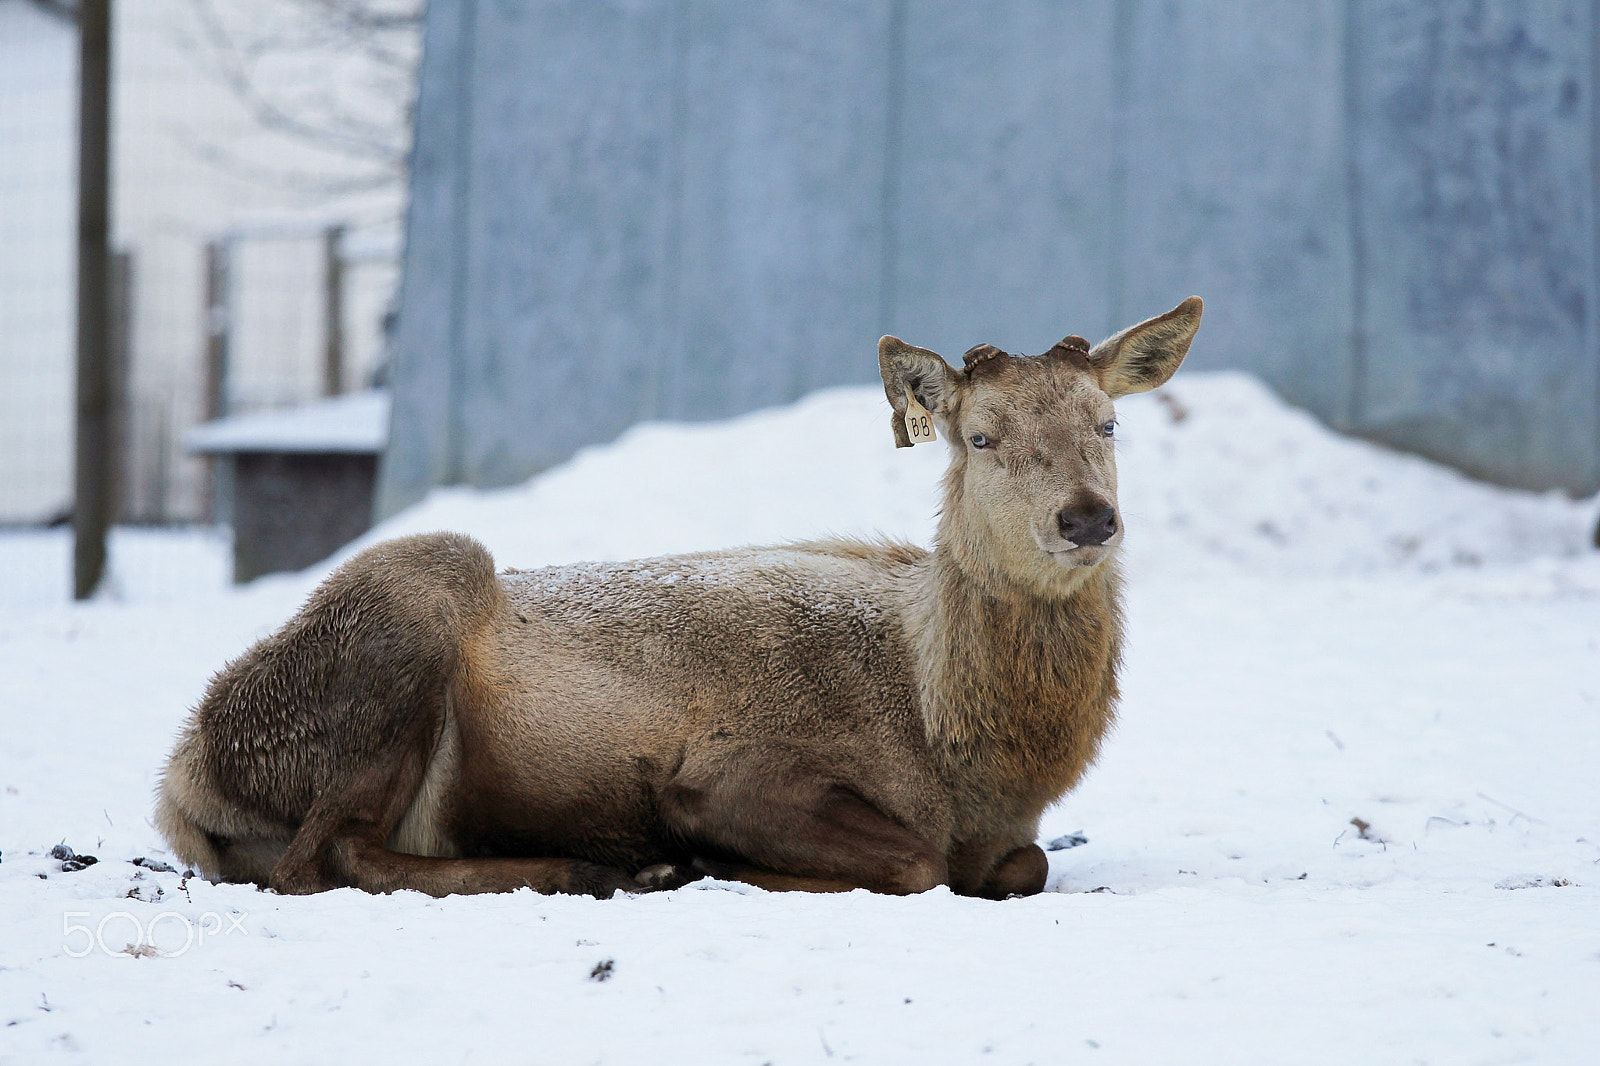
(1144, 356)
(926, 374)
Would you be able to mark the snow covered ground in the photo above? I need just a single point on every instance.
(1351, 813)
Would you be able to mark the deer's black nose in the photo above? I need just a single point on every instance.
(1088, 527)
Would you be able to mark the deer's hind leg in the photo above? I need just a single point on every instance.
(343, 842)
(773, 820)
(413, 661)
(307, 752)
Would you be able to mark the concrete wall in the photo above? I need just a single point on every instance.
(689, 208)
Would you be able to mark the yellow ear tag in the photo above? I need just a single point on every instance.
(919, 423)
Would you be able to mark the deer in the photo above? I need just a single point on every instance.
(818, 716)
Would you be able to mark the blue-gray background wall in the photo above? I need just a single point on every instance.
(690, 208)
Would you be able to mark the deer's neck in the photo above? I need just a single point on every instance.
(1017, 689)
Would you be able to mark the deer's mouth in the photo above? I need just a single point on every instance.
(1073, 555)
(1066, 554)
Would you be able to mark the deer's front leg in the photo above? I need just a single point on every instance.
(780, 824)
(1020, 873)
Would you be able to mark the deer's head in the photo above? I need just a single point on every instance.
(1031, 493)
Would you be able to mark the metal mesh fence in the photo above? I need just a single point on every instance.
(227, 124)
(37, 110)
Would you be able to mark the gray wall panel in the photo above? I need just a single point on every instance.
(566, 226)
(690, 208)
(1236, 186)
(782, 196)
(1003, 196)
(1476, 172)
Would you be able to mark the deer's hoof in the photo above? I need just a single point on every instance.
(662, 875)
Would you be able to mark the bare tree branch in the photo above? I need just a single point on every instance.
(62, 9)
(349, 91)
(311, 187)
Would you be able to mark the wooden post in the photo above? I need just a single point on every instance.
(94, 466)
(121, 385)
(333, 310)
(218, 261)
(218, 327)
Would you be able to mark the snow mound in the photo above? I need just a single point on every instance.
(1217, 475)
(1215, 470)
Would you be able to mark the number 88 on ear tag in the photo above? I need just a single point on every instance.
(919, 423)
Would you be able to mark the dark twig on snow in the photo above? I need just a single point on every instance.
(1515, 814)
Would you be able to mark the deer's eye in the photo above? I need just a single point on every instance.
(1109, 429)
(980, 441)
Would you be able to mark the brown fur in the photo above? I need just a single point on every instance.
(821, 716)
